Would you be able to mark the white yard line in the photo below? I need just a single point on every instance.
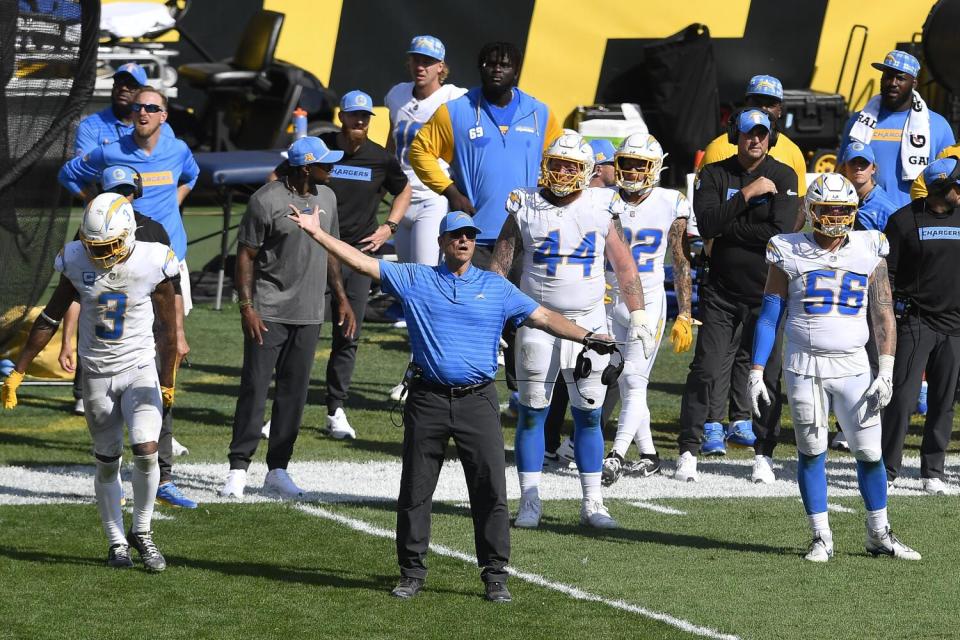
(659, 508)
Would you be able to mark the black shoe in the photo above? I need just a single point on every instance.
(149, 554)
(647, 465)
(612, 469)
(497, 592)
(119, 556)
(407, 588)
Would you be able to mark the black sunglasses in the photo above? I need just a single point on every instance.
(471, 234)
(149, 108)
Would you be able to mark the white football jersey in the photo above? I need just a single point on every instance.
(563, 248)
(408, 115)
(646, 227)
(116, 311)
(827, 295)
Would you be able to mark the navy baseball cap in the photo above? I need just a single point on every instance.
(765, 86)
(429, 46)
(602, 151)
(456, 220)
(939, 171)
(752, 118)
(899, 61)
(116, 175)
(311, 150)
(356, 101)
(134, 70)
(858, 150)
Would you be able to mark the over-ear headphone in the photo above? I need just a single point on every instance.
(584, 367)
(733, 133)
(138, 182)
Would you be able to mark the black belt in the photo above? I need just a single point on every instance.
(452, 391)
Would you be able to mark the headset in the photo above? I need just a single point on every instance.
(733, 132)
(611, 373)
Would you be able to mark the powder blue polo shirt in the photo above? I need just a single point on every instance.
(455, 322)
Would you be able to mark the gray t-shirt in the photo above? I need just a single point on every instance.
(290, 271)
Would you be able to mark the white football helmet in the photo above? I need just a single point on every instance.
(645, 148)
(570, 147)
(831, 204)
(108, 229)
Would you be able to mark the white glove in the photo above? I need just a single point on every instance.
(881, 389)
(639, 330)
(758, 390)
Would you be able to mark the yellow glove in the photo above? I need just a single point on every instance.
(681, 336)
(166, 393)
(606, 294)
(9, 391)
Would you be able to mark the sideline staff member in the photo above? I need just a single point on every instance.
(452, 390)
(924, 262)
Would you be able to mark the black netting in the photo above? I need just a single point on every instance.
(48, 56)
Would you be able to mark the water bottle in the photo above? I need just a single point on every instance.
(299, 123)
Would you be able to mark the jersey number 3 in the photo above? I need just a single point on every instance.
(821, 293)
(114, 307)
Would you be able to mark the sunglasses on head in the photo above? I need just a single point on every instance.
(149, 108)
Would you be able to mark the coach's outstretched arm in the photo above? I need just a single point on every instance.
(557, 325)
(353, 258)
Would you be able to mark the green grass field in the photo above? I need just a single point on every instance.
(717, 565)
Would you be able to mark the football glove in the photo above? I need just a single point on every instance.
(166, 393)
(681, 336)
(881, 389)
(639, 330)
(758, 390)
(607, 299)
(9, 391)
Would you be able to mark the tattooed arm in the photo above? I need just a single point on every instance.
(507, 247)
(682, 282)
(881, 310)
(618, 253)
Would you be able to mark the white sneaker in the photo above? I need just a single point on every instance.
(934, 486)
(265, 431)
(178, 449)
(763, 470)
(687, 468)
(78, 407)
(594, 514)
(338, 427)
(235, 484)
(883, 542)
(398, 393)
(279, 483)
(840, 442)
(820, 550)
(891, 484)
(565, 451)
(529, 515)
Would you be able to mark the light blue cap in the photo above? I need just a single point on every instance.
(311, 150)
(765, 86)
(116, 175)
(456, 220)
(899, 61)
(427, 46)
(602, 151)
(858, 150)
(939, 171)
(356, 101)
(752, 118)
(134, 70)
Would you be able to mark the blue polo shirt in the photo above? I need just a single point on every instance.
(875, 209)
(103, 127)
(455, 322)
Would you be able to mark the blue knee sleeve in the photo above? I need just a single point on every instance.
(528, 444)
(812, 478)
(872, 478)
(587, 440)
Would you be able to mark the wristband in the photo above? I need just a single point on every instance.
(885, 366)
(392, 226)
(638, 317)
(246, 303)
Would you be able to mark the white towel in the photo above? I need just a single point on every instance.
(914, 147)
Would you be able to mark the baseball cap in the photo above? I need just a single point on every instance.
(134, 70)
(938, 172)
(427, 46)
(456, 220)
(899, 61)
(602, 151)
(116, 175)
(752, 118)
(858, 150)
(765, 86)
(356, 101)
(311, 150)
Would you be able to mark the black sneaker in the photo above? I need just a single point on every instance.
(612, 469)
(407, 588)
(497, 592)
(647, 465)
(119, 556)
(149, 554)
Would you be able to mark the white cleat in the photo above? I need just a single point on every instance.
(820, 550)
(279, 483)
(178, 449)
(235, 484)
(398, 393)
(594, 514)
(78, 407)
(339, 428)
(763, 470)
(529, 515)
(565, 453)
(934, 486)
(687, 468)
(883, 542)
(265, 431)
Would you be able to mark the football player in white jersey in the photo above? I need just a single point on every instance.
(563, 232)
(119, 283)
(824, 281)
(652, 218)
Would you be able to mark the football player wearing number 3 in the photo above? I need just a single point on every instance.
(823, 282)
(119, 282)
(652, 218)
(563, 232)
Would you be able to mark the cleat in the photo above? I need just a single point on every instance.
(763, 470)
(78, 407)
(741, 434)
(178, 449)
(234, 485)
(119, 556)
(686, 468)
(168, 493)
(839, 442)
(565, 451)
(497, 592)
(594, 514)
(646, 466)
(883, 542)
(338, 427)
(713, 444)
(399, 393)
(407, 588)
(550, 460)
(934, 486)
(891, 484)
(922, 399)
(149, 554)
(820, 550)
(265, 431)
(612, 469)
(530, 511)
(279, 483)
(511, 409)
